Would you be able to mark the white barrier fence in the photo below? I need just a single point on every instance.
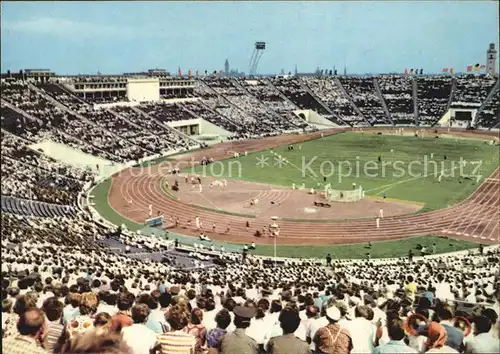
(336, 195)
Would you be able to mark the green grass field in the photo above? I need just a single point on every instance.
(408, 179)
(381, 249)
(347, 158)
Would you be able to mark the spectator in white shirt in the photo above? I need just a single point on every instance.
(138, 337)
(318, 323)
(259, 325)
(484, 341)
(362, 330)
(311, 314)
(493, 317)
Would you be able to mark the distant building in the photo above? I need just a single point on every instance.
(226, 68)
(38, 75)
(491, 59)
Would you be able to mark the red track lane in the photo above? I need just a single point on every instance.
(475, 218)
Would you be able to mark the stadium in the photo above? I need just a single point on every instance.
(336, 202)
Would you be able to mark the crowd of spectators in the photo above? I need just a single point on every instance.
(166, 112)
(29, 174)
(276, 102)
(362, 91)
(59, 93)
(84, 297)
(66, 127)
(115, 123)
(433, 94)
(248, 125)
(328, 91)
(397, 91)
(292, 88)
(200, 110)
(249, 106)
(471, 90)
(489, 116)
(160, 138)
(71, 284)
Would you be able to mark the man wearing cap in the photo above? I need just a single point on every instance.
(332, 338)
(238, 341)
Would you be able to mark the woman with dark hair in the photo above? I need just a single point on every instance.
(197, 329)
(214, 336)
(177, 340)
(260, 324)
(55, 335)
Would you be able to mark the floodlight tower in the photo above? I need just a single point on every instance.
(255, 58)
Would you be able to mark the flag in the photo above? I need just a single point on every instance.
(469, 68)
(411, 71)
(179, 72)
(445, 70)
(421, 71)
(452, 71)
(406, 71)
(197, 74)
(206, 73)
(476, 67)
(189, 73)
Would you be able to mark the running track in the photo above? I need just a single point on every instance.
(476, 218)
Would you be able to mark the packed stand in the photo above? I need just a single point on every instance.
(272, 98)
(328, 91)
(103, 118)
(16, 123)
(248, 126)
(249, 105)
(62, 291)
(31, 175)
(166, 112)
(433, 94)
(173, 93)
(198, 109)
(66, 127)
(471, 90)
(489, 116)
(62, 95)
(397, 92)
(364, 95)
(295, 92)
(162, 138)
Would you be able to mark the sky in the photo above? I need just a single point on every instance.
(367, 36)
